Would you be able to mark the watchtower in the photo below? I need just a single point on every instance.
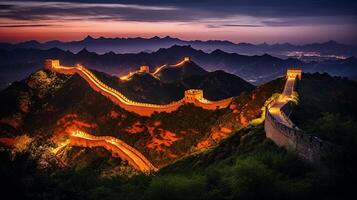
(186, 59)
(144, 69)
(50, 63)
(193, 94)
(294, 73)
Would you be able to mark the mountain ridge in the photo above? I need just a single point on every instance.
(140, 44)
(18, 63)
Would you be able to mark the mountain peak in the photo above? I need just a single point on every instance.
(84, 51)
(218, 52)
(155, 38)
(331, 42)
(88, 38)
(180, 71)
(30, 42)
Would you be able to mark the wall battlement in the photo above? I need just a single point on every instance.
(143, 109)
(192, 95)
(294, 73)
(50, 64)
(144, 69)
(279, 128)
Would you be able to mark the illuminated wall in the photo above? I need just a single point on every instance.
(280, 129)
(143, 109)
(293, 73)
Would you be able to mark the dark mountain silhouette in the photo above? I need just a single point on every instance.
(218, 84)
(138, 44)
(145, 87)
(173, 73)
(18, 63)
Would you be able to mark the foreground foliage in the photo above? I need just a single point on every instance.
(245, 166)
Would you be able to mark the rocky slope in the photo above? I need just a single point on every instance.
(46, 106)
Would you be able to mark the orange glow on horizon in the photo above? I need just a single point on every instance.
(77, 30)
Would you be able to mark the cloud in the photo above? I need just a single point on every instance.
(265, 12)
(35, 10)
(232, 25)
(24, 25)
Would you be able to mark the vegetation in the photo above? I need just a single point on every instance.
(245, 166)
(327, 107)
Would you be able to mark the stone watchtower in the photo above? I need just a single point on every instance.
(293, 73)
(50, 63)
(186, 59)
(144, 69)
(192, 95)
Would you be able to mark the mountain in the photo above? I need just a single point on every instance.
(68, 103)
(314, 51)
(327, 108)
(42, 108)
(169, 84)
(180, 71)
(18, 63)
(218, 84)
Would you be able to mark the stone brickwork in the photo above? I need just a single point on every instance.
(280, 129)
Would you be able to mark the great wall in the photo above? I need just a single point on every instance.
(144, 109)
(146, 69)
(117, 147)
(279, 128)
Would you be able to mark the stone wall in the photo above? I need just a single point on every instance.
(143, 109)
(117, 147)
(306, 145)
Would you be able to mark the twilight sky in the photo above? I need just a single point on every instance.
(255, 21)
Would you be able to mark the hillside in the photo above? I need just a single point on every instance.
(198, 155)
(218, 84)
(67, 103)
(327, 108)
(74, 105)
(169, 84)
(240, 166)
(179, 72)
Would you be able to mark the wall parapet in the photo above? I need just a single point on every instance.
(284, 132)
(299, 135)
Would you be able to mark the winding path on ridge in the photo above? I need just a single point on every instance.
(114, 145)
(275, 108)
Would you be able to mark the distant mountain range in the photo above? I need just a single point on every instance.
(314, 51)
(18, 63)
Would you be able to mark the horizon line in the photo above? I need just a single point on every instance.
(168, 36)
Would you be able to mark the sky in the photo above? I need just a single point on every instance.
(253, 21)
